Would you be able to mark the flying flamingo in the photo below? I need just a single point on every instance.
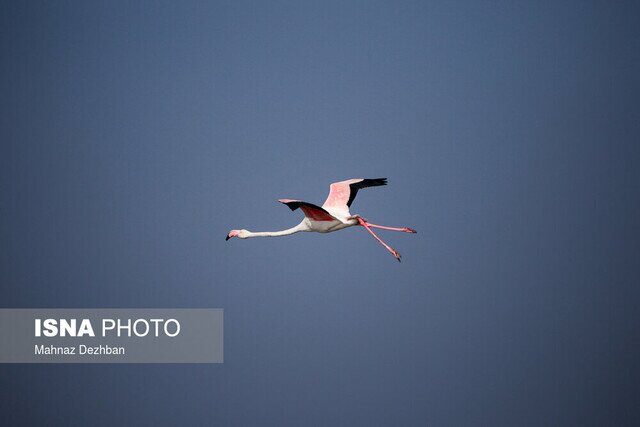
(332, 216)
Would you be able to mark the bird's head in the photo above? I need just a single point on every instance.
(237, 233)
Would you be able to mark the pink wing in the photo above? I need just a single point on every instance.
(341, 194)
(310, 210)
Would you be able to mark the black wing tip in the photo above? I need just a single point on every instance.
(291, 205)
(372, 182)
(295, 204)
(366, 182)
(379, 181)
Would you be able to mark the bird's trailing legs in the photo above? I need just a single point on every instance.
(366, 225)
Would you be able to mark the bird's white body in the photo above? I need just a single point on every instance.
(332, 216)
(326, 226)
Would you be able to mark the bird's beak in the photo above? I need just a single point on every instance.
(227, 238)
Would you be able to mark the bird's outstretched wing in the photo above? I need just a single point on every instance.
(341, 194)
(310, 210)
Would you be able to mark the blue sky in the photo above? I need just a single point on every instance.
(135, 135)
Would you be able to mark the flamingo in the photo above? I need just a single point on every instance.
(332, 216)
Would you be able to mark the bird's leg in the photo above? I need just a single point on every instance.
(403, 229)
(383, 227)
(363, 223)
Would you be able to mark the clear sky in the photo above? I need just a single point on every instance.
(134, 135)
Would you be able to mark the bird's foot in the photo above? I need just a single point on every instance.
(410, 230)
(396, 254)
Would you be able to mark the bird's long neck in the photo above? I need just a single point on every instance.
(286, 232)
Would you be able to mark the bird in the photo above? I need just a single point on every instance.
(332, 216)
